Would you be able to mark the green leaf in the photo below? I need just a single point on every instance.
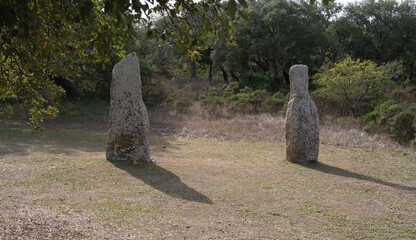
(86, 8)
(245, 16)
(231, 8)
(205, 7)
(149, 34)
(243, 3)
(136, 5)
(182, 46)
(108, 6)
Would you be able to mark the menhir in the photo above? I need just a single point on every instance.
(302, 119)
(129, 123)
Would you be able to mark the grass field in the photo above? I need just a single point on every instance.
(58, 185)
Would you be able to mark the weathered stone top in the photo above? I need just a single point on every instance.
(298, 76)
(126, 74)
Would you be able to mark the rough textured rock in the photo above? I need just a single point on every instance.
(129, 123)
(302, 119)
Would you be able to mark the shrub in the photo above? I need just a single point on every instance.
(397, 118)
(275, 103)
(405, 94)
(211, 101)
(257, 99)
(231, 89)
(245, 101)
(181, 99)
(240, 103)
(181, 104)
(401, 126)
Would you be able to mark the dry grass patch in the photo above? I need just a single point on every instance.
(196, 124)
(59, 186)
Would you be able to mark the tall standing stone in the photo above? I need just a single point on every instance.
(129, 123)
(302, 119)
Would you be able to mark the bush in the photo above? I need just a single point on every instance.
(212, 101)
(241, 100)
(405, 94)
(257, 99)
(401, 126)
(181, 99)
(181, 104)
(276, 102)
(244, 100)
(231, 89)
(240, 103)
(396, 118)
(84, 108)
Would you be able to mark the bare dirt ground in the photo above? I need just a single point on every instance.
(213, 179)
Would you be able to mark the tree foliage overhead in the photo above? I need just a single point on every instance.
(43, 39)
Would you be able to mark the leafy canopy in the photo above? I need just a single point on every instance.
(353, 82)
(43, 39)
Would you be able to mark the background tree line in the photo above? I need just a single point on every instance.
(361, 62)
(361, 57)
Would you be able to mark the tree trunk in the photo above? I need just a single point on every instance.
(235, 78)
(272, 69)
(351, 106)
(210, 74)
(71, 90)
(244, 66)
(193, 68)
(224, 75)
(412, 72)
(280, 80)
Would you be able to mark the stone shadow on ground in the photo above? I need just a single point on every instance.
(322, 167)
(162, 180)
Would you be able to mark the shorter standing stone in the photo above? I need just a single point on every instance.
(302, 119)
(129, 123)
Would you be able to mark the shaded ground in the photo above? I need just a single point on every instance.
(58, 185)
